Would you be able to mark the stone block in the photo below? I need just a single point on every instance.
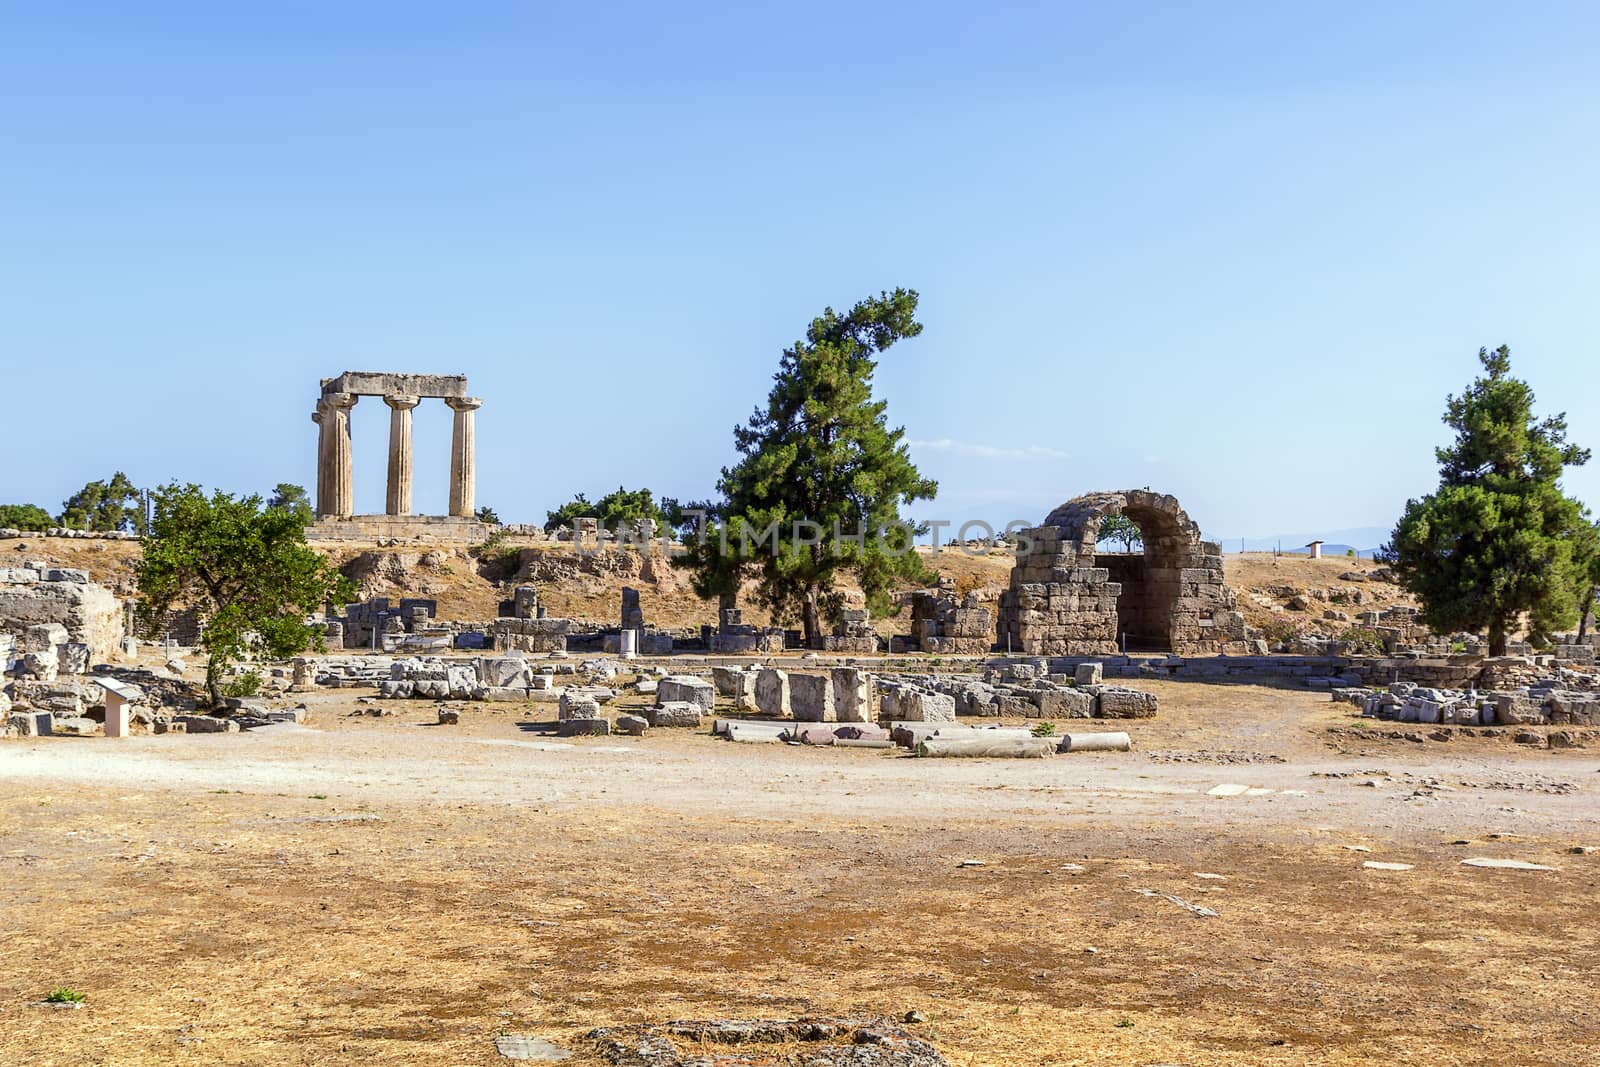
(674, 713)
(206, 724)
(575, 705)
(908, 704)
(396, 690)
(75, 726)
(449, 716)
(504, 671)
(728, 680)
(1112, 703)
(852, 695)
(1066, 704)
(686, 688)
(31, 723)
(593, 726)
(772, 692)
(1089, 673)
(811, 698)
(460, 682)
(632, 725)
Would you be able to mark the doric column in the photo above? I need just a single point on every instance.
(463, 456)
(341, 487)
(323, 437)
(399, 498)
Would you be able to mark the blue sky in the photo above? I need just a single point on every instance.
(1240, 254)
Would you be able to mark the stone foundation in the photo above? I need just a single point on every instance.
(441, 529)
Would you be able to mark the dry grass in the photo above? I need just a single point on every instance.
(487, 888)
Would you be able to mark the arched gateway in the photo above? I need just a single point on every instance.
(1068, 599)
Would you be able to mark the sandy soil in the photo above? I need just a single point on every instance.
(380, 890)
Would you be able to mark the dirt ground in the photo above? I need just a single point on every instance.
(384, 891)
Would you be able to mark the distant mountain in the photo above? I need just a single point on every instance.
(1364, 539)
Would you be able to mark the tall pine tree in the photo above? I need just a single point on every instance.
(822, 475)
(1498, 540)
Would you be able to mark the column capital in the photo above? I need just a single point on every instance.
(401, 402)
(464, 403)
(340, 401)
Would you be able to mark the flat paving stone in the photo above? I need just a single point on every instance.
(528, 1047)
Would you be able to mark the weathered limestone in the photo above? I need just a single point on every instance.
(811, 697)
(336, 475)
(398, 500)
(942, 624)
(463, 456)
(908, 703)
(686, 688)
(48, 610)
(852, 694)
(772, 692)
(674, 713)
(1067, 599)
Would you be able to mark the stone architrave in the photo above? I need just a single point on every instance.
(463, 456)
(398, 501)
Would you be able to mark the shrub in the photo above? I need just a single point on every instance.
(1044, 729)
(243, 684)
(1281, 631)
(65, 995)
(1364, 639)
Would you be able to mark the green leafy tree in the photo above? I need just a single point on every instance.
(1121, 530)
(290, 497)
(105, 506)
(488, 515)
(568, 514)
(1499, 539)
(25, 517)
(819, 488)
(615, 511)
(245, 566)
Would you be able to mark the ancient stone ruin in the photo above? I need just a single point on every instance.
(809, 1042)
(1068, 598)
(335, 501)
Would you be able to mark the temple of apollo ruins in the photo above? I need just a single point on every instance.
(335, 479)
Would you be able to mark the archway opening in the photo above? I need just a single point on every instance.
(1150, 575)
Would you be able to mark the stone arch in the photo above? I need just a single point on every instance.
(1067, 598)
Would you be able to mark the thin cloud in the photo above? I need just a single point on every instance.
(969, 448)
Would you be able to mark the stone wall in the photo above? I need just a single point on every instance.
(1066, 599)
(37, 594)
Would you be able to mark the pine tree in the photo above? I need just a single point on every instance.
(819, 488)
(1498, 539)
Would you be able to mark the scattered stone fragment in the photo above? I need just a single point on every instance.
(1380, 865)
(1504, 865)
(807, 1042)
(632, 725)
(525, 1047)
(1228, 789)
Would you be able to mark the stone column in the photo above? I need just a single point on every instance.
(463, 456)
(337, 476)
(320, 417)
(398, 500)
